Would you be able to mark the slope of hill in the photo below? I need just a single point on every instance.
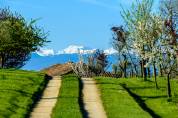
(19, 90)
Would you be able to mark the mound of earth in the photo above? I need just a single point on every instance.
(58, 69)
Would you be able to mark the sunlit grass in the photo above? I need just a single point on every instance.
(17, 92)
(119, 103)
(67, 105)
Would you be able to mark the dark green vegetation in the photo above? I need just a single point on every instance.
(68, 105)
(18, 92)
(18, 39)
(135, 98)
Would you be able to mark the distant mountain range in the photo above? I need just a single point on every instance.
(38, 62)
(48, 57)
(73, 49)
(45, 58)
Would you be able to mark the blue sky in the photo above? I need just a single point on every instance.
(73, 22)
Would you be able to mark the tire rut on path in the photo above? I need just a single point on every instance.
(44, 107)
(91, 98)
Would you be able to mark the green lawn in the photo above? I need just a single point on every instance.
(18, 90)
(67, 105)
(133, 98)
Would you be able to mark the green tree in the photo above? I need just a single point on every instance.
(101, 61)
(18, 39)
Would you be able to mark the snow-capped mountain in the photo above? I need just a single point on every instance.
(72, 49)
(38, 62)
(47, 57)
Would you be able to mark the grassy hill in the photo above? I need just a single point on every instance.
(134, 98)
(18, 92)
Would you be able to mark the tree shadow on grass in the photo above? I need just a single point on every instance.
(107, 83)
(80, 100)
(141, 102)
(12, 108)
(142, 87)
(21, 92)
(145, 87)
(154, 97)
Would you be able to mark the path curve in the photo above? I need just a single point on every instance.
(91, 98)
(45, 105)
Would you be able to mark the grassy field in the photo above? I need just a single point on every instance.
(68, 105)
(17, 92)
(133, 98)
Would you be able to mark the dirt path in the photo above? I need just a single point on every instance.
(44, 107)
(92, 101)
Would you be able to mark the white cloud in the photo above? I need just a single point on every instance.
(45, 52)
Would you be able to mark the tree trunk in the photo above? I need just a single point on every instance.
(2, 60)
(121, 74)
(145, 74)
(149, 73)
(136, 71)
(132, 73)
(160, 71)
(125, 70)
(134, 65)
(155, 76)
(168, 86)
(144, 70)
(125, 66)
(141, 69)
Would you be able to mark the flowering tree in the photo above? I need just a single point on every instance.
(154, 37)
(138, 24)
(169, 41)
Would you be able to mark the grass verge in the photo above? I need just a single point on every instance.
(134, 98)
(19, 91)
(68, 105)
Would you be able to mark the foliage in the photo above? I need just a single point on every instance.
(18, 39)
(169, 41)
(144, 29)
(101, 62)
(154, 36)
(121, 44)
